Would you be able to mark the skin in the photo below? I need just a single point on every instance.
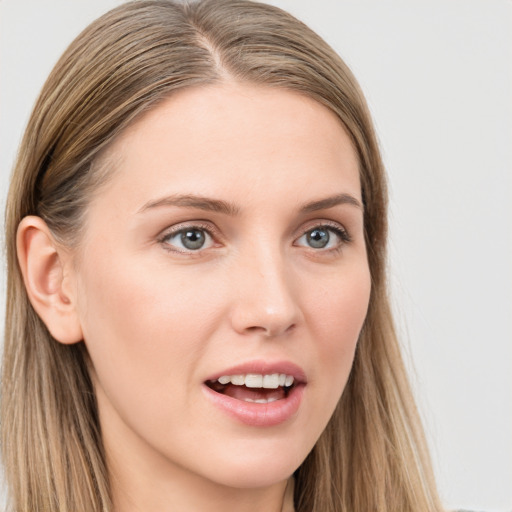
(158, 319)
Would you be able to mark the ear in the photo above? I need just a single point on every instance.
(48, 276)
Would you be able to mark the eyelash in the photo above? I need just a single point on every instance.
(176, 230)
(339, 231)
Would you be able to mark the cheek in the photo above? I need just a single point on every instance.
(146, 332)
(338, 315)
(150, 299)
(143, 330)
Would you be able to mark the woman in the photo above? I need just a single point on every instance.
(197, 311)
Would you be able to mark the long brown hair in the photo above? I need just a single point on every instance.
(372, 455)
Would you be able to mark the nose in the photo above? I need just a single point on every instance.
(266, 299)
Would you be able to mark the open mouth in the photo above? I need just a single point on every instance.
(255, 388)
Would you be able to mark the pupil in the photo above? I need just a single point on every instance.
(193, 239)
(318, 238)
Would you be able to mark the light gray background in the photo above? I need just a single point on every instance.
(438, 78)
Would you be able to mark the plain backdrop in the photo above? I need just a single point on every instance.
(438, 78)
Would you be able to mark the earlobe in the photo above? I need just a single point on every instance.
(46, 274)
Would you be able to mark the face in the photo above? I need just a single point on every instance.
(223, 283)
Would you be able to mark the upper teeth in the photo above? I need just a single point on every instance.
(253, 380)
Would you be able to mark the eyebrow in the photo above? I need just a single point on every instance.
(227, 208)
(330, 202)
(193, 201)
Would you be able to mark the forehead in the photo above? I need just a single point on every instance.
(234, 140)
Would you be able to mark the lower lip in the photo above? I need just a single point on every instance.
(258, 415)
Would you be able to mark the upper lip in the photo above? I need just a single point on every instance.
(261, 367)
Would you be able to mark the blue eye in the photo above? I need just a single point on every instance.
(318, 238)
(189, 239)
(323, 237)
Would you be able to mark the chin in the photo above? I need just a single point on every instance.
(247, 476)
(261, 466)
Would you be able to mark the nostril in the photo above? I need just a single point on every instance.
(256, 329)
(270, 330)
(289, 329)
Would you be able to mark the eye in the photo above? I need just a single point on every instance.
(323, 237)
(192, 238)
